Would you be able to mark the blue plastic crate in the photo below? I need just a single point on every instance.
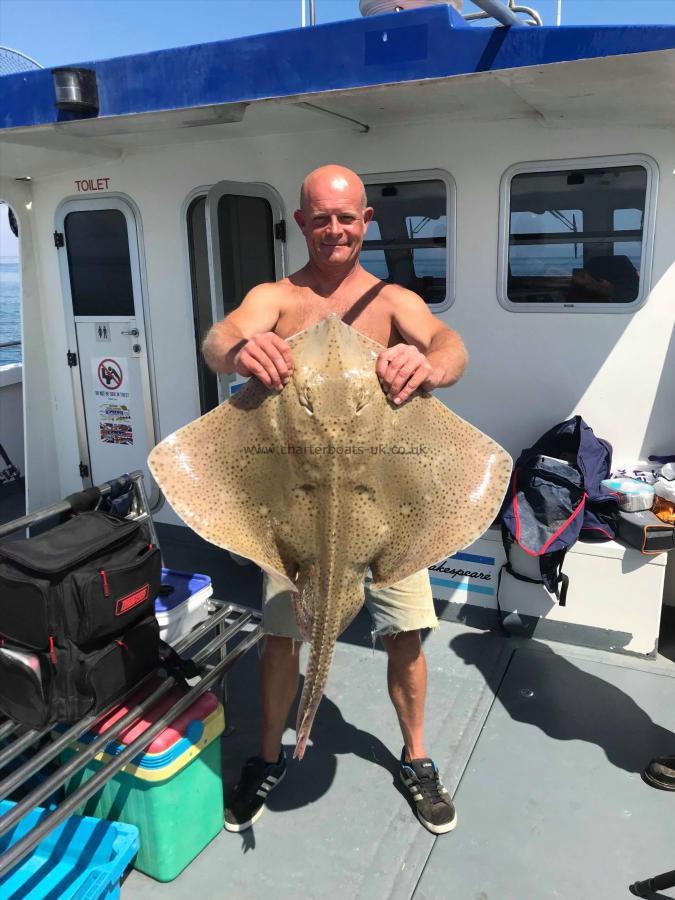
(81, 859)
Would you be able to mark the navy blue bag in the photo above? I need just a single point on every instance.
(555, 498)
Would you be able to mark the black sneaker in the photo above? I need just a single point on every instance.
(434, 806)
(660, 773)
(247, 799)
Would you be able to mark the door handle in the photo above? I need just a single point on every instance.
(134, 332)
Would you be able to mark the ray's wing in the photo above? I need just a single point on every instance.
(446, 482)
(218, 473)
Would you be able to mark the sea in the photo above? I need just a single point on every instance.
(10, 309)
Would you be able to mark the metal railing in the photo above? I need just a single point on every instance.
(228, 620)
(18, 851)
(505, 13)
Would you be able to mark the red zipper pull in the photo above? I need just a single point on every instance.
(106, 588)
(122, 644)
(52, 651)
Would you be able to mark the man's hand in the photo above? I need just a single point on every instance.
(402, 369)
(268, 357)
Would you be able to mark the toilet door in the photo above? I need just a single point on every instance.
(108, 354)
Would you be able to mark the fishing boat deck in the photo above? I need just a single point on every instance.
(541, 744)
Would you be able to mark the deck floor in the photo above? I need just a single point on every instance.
(541, 744)
(549, 795)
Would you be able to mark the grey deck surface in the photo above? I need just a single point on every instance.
(338, 826)
(552, 804)
(547, 785)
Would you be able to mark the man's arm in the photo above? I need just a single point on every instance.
(433, 355)
(244, 342)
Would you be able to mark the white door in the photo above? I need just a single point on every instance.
(246, 233)
(101, 277)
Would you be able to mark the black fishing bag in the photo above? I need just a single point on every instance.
(77, 624)
(556, 497)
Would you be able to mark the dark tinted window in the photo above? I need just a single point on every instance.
(98, 261)
(245, 229)
(575, 236)
(406, 242)
(201, 298)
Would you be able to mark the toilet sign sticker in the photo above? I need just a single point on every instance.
(111, 384)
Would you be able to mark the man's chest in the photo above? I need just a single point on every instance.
(372, 318)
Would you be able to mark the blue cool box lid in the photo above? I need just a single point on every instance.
(184, 585)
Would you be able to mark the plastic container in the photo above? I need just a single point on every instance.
(81, 858)
(186, 606)
(634, 496)
(664, 500)
(173, 792)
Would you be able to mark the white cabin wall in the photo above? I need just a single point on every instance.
(527, 370)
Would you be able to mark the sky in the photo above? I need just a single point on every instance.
(57, 32)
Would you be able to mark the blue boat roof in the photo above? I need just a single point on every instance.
(428, 43)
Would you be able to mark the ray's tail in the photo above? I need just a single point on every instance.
(324, 636)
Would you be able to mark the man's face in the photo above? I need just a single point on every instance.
(333, 220)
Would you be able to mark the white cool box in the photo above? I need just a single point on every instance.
(182, 603)
(614, 600)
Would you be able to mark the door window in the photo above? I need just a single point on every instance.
(246, 242)
(235, 240)
(99, 265)
(201, 298)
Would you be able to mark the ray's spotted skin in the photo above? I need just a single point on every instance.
(326, 479)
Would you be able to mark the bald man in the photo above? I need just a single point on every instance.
(420, 352)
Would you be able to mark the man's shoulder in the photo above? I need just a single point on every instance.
(269, 293)
(267, 288)
(400, 297)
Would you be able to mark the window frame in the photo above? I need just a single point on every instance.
(450, 217)
(558, 165)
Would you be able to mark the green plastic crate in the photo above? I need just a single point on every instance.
(176, 783)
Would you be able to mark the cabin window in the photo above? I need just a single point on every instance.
(408, 240)
(97, 243)
(577, 237)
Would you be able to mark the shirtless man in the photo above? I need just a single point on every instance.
(421, 353)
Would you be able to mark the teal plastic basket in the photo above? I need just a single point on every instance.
(81, 859)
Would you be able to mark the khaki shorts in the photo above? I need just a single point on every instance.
(404, 606)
